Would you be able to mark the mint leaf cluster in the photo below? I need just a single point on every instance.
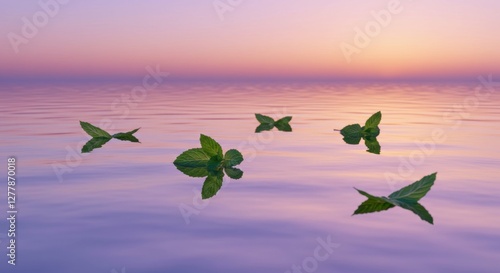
(354, 133)
(406, 198)
(370, 129)
(210, 161)
(267, 123)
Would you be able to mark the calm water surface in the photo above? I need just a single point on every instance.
(118, 209)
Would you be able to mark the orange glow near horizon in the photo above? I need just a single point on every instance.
(263, 40)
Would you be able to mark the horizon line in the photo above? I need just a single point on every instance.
(218, 79)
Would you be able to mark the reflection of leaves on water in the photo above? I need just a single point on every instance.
(128, 136)
(94, 143)
(373, 205)
(354, 133)
(418, 210)
(406, 198)
(372, 144)
(264, 127)
(267, 123)
(101, 137)
(210, 162)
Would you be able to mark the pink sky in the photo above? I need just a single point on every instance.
(255, 39)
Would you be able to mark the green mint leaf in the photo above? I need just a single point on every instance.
(264, 119)
(215, 163)
(94, 131)
(210, 146)
(415, 191)
(284, 127)
(282, 124)
(352, 140)
(209, 162)
(212, 185)
(268, 123)
(264, 127)
(377, 204)
(370, 131)
(94, 143)
(233, 173)
(374, 120)
(232, 158)
(132, 132)
(192, 158)
(352, 131)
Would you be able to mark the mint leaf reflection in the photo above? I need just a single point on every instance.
(128, 136)
(418, 210)
(264, 127)
(214, 178)
(406, 198)
(94, 143)
(373, 205)
(372, 144)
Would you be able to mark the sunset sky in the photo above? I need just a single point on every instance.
(257, 39)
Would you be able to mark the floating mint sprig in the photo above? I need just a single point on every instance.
(268, 123)
(354, 133)
(210, 161)
(406, 198)
(370, 128)
(101, 137)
